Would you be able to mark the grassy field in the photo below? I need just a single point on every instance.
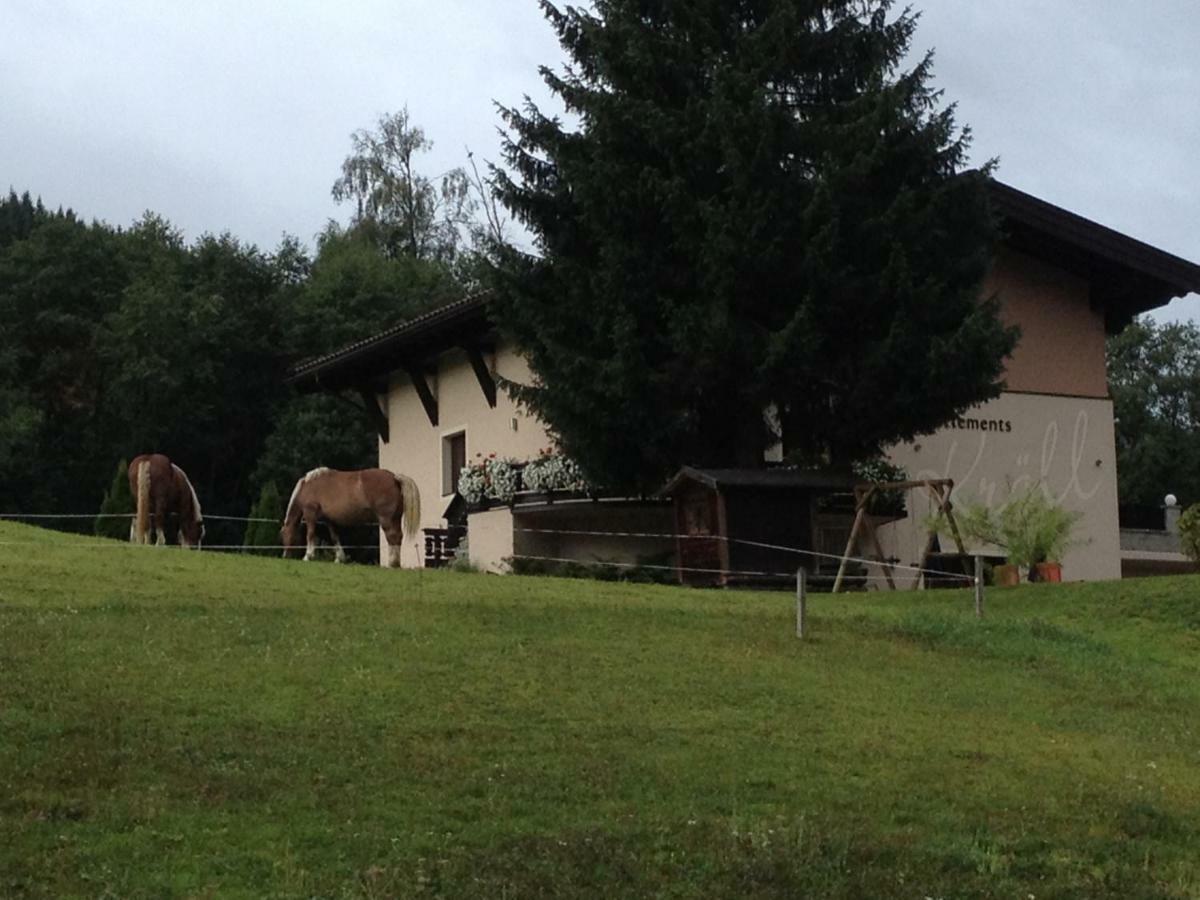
(188, 725)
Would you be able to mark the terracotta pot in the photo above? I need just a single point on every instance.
(1048, 572)
(1006, 575)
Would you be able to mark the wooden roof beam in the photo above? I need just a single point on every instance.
(423, 391)
(482, 373)
(375, 413)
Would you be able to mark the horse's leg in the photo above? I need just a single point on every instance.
(395, 536)
(160, 521)
(310, 522)
(339, 553)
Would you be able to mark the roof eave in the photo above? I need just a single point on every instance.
(1153, 275)
(408, 343)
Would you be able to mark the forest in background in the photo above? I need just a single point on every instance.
(116, 341)
(119, 341)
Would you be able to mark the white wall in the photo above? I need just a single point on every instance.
(415, 448)
(491, 539)
(1064, 443)
(1067, 443)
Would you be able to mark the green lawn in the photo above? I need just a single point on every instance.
(198, 725)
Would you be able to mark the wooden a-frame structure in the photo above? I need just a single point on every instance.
(939, 489)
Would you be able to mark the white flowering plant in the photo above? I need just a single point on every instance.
(880, 471)
(473, 482)
(491, 477)
(552, 471)
(504, 477)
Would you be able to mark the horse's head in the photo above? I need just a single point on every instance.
(192, 533)
(287, 534)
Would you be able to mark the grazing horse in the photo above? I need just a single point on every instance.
(162, 490)
(353, 498)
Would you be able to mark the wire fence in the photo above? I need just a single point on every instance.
(733, 573)
(720, 575)
(67, 516)
(885, 567)
(223, 534)
(782, 548)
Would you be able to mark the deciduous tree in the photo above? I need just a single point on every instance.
(1154, 377)
(403, 210)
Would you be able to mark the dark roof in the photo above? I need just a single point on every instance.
(409, 343)
(779, 478)
(1127, 277)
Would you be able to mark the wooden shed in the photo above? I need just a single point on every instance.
(724, 517)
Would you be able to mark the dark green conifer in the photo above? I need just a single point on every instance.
(265, 533)
(117, 506)
(752, 205)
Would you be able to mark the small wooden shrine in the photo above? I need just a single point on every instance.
(744, 526)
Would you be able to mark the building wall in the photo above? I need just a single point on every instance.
(1061, 350)
(1064, 443)
(415, 448)
(491, 539)
(1054, 425)
(594, 532)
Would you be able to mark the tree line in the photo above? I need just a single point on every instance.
(124, 340)
(1154, 378)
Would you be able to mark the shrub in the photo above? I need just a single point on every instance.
(1189, 532)
(265, 534)
(113, 521)
(462, 558)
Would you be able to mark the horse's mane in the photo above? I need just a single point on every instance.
(196, 515)
(300, 482)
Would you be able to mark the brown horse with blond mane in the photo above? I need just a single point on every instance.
(356, 497)
(163, 491)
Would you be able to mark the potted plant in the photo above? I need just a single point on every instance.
(1034, 531)
(883, 504)
(977, 530)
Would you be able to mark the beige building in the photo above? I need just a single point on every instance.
(429, 385)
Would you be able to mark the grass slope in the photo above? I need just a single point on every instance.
(188, 725)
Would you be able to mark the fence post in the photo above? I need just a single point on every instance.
(978, 586)
(801, 599)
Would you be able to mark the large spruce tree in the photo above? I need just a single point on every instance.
(751, 205)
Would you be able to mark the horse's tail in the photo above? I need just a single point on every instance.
(287, 516)
(291, 516)
(143, 502)
(411, 498)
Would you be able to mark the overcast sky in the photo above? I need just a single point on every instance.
(236, 116)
